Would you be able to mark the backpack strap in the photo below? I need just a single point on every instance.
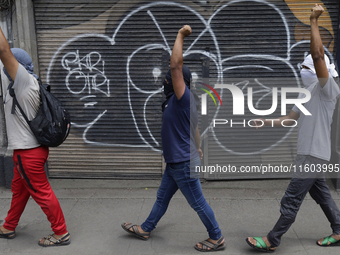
(12, 94)
(16, 103)
(45, 85)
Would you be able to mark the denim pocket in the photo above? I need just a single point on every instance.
(179, 166)
(195, 164)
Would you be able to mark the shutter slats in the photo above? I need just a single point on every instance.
(103, 86)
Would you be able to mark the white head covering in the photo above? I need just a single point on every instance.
(310, 64)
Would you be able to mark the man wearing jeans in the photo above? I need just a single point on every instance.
(313, 147)
(180, 139)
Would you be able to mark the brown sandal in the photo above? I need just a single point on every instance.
(135, 231)
(52, 241)
(208, 246)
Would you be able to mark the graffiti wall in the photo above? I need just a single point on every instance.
(106, 60)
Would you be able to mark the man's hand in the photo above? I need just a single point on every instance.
(7, 58)
(316, 11)
(200, 152)
(316, 46)
(185, 31)
(176, 62)
(258, 123)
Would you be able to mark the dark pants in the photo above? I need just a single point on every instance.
(304, 182)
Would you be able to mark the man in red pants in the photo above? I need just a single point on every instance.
(28, 155)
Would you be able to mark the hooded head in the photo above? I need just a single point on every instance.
(308, 75)
(167, 83)
(24, 59)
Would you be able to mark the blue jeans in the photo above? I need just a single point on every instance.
(177, 176)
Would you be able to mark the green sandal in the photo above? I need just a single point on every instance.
(329, 241)
(260, 245)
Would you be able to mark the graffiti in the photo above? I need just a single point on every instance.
(108, 88)
(85, 69)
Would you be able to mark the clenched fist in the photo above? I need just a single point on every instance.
(317, 10)
(185, 30)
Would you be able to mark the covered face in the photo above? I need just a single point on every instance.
(308, 75)
(24, 59)
(167, 83)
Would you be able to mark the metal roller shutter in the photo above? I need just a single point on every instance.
(262, 44)
(106, 60)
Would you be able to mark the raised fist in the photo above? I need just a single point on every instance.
(185, 30)
(317, 10)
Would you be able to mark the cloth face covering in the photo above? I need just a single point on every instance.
(24, 59)
(167, 83)
(310, 64)
(308, 77)
(168, 86)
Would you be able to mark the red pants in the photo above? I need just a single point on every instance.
(30, 180)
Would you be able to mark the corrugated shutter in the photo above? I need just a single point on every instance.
(262, 44)
(106, 60)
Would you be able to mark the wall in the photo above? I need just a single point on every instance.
(19, 28)
(106, 61)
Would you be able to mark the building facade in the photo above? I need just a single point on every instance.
(106, 61)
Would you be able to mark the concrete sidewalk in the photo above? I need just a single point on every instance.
(95, 209)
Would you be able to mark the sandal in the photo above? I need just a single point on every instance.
(208, 246)
(260, 245)
(135, 231)
(329, 241)
(52, 241)
(9, 235)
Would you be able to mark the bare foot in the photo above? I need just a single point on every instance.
(336, 237)
(5, 231)
(265, 239)
(199, 245)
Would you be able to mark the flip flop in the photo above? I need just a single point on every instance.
(52, 241)
(332, 242)
(206, 244)
(9, 235)
(135, 231)
(260, 245)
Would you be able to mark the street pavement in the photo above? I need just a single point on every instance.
(95, 209)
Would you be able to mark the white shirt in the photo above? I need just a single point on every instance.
(314, 134)
(27, 92)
